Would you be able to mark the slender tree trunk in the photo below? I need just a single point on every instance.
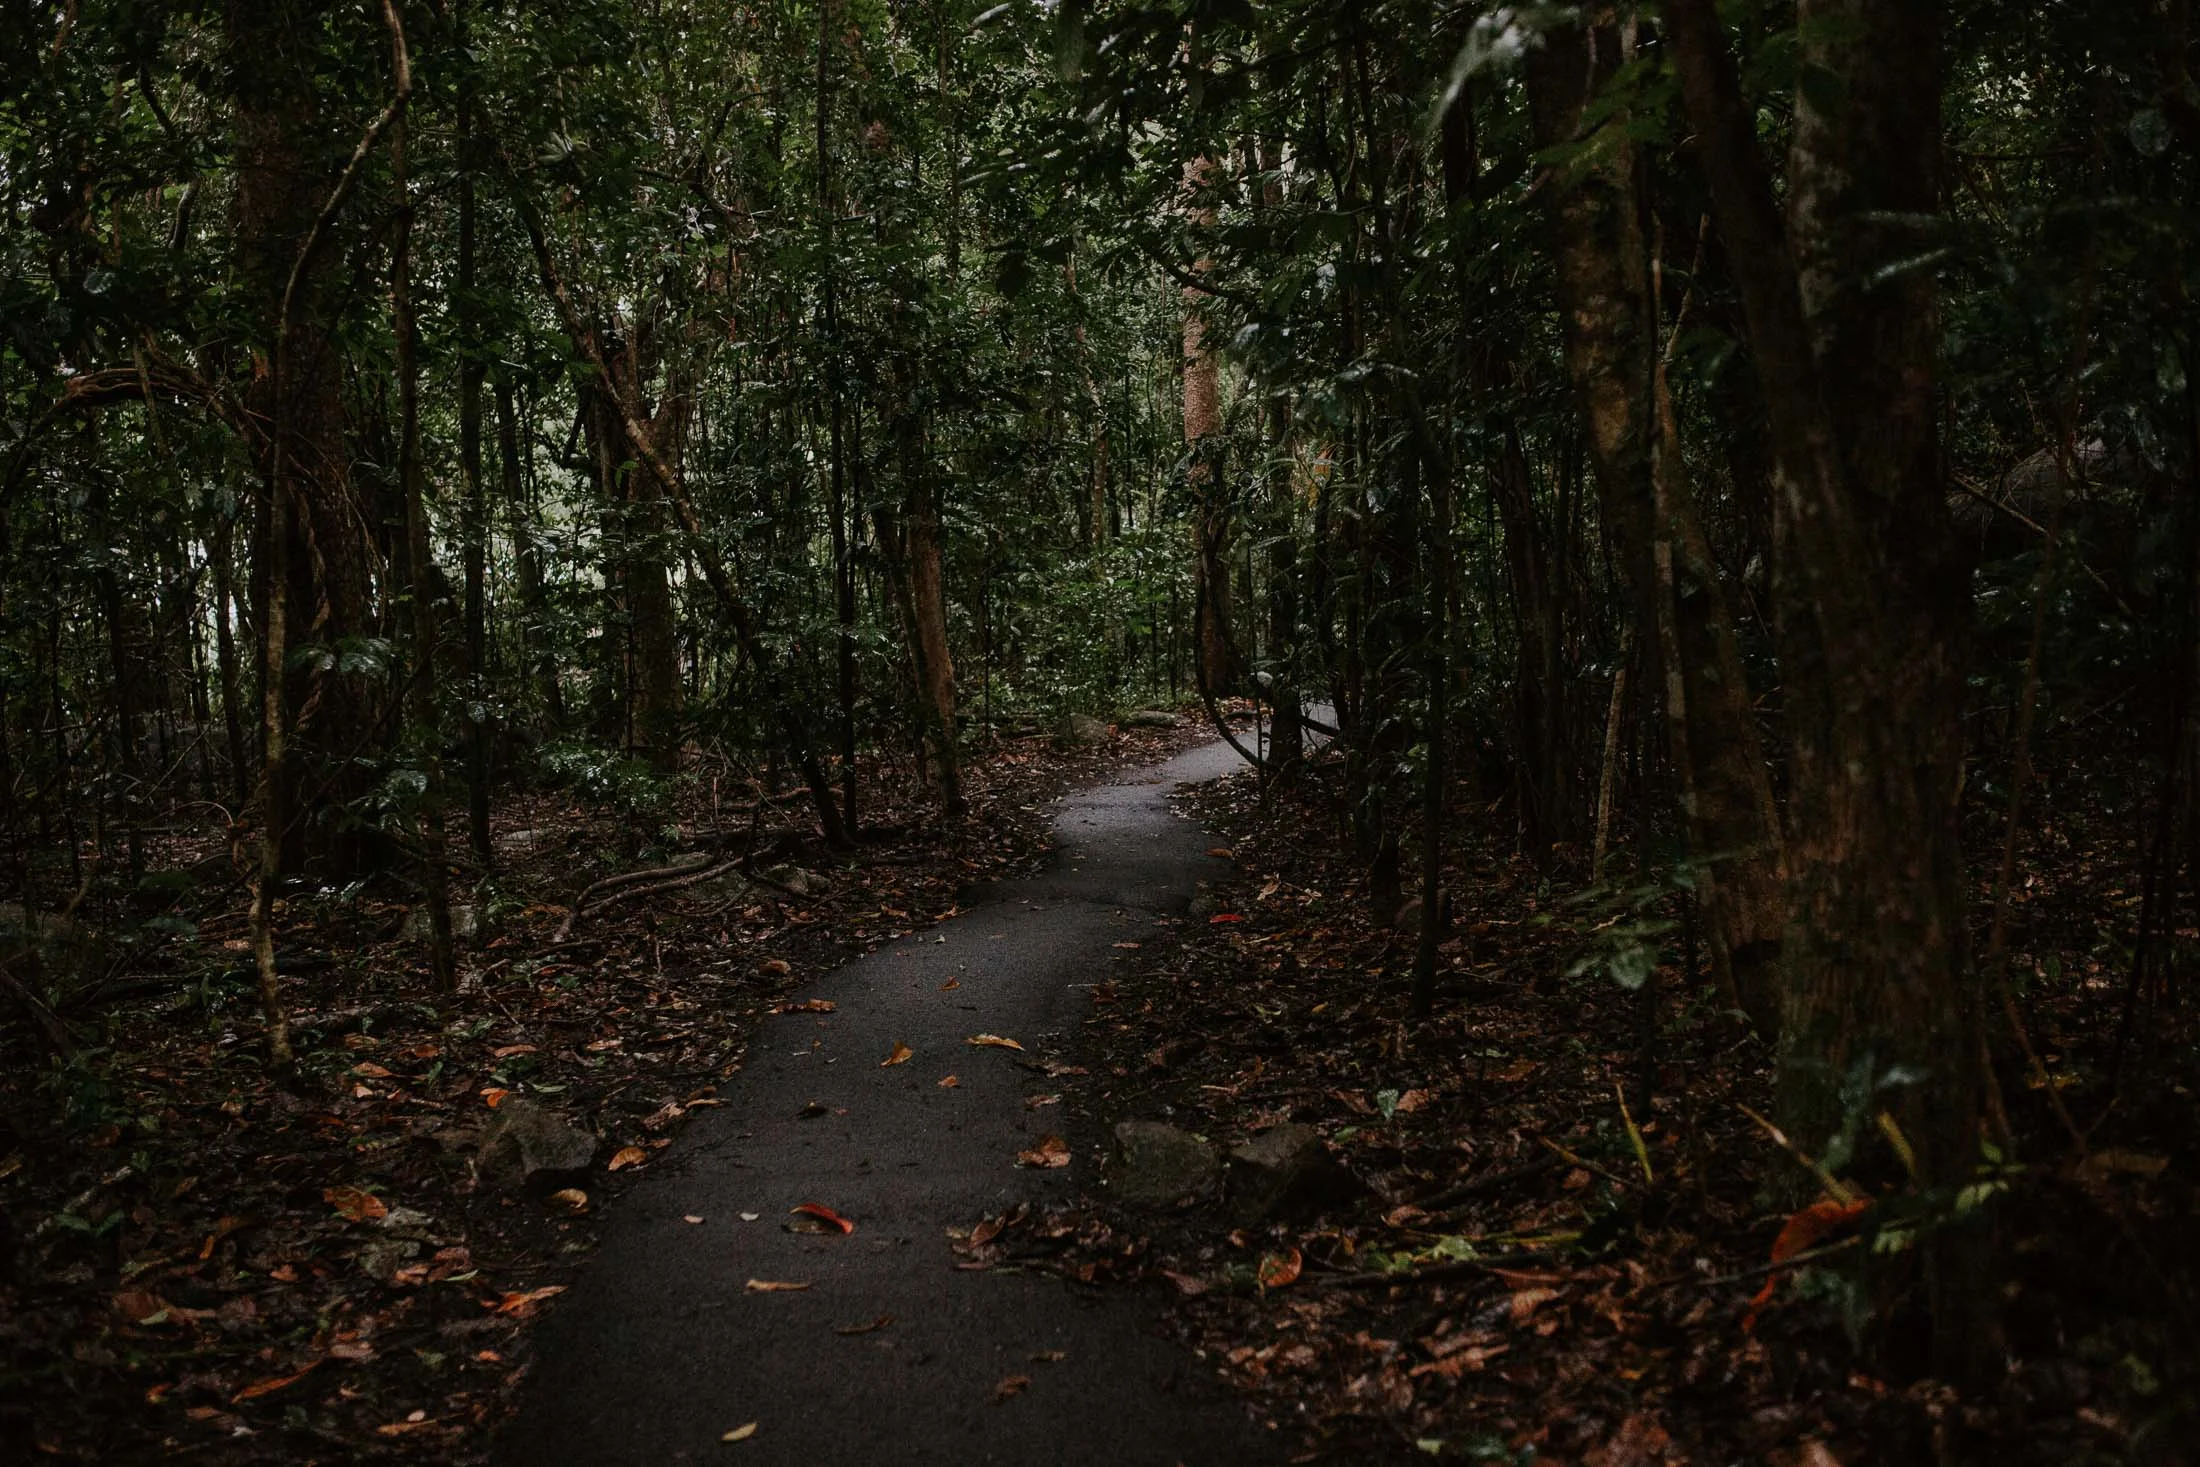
(435, 871)
(473, 370)
(535, 653)
(223, 553)
(1611, 324)
(1218, 670)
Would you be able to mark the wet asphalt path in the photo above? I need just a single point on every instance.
(660, 1348)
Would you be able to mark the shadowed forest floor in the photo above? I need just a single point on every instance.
(1561, 1213)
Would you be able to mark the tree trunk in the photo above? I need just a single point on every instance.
(472, 372)
(1218, 670)
(1873, 610)
(1610, 317)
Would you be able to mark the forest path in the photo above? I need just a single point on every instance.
(660, 1348)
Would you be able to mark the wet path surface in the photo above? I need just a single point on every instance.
(660, 1348)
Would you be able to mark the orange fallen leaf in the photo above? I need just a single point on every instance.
(949, 1082)
(273, 1384)
(493, 1095)
(1798, 1233)
(1222, 853)
(1010, 1385)
(1279, 1269)
(571, 1197)
(367, 1069)
(821, 1213)
(627, 1156)
(520, 1305)
(356, 1203)
(1052, 1151)
(774, 966)
(951, 985)
(899, 1056)
(807, 1006)
(507, 1051)
(775, 1286)
(994, 1041)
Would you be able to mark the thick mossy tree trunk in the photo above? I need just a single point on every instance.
(1609, 312)
(1872, 605)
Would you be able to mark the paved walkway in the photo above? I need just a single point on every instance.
(661, 1348)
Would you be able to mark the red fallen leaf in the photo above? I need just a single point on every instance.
(1052, 1151)
(355, 1203)
(1798, 1233)
(806, 1006)
(823, 1214)
(276, 1383)
(1279, 1269)
(1221, 917)
(1010, 1385)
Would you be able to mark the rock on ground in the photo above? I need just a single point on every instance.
(1286, 1170)
(1160, 1165)
(525, 1141)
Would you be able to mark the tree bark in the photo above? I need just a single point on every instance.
(1219, 674)
(1610, 318)
(1873, 610)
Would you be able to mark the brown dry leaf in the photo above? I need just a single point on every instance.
(415, 1422)
(1525, 1302)
(1414, 1100)
(507, 1051)
(1222, 853)
(142, 1306)
(826, 1219)
(1639, 1442)
(951, 985)
(774, 966)
(572, 1198)
(775, 1286)
(899, 1056)
(1190, 1286)
(273, 1384)
(356, 1203)
(994, 1041)
(627, 1156)
(1052, 1151)
(1280, 1269)
(521, 1305)
(1130, 946)
(740, 1433)
(865, 1328)
(949, 1082)
(807, 1006)
(369, 1070)
(1519, 1069)
(1010, 1385)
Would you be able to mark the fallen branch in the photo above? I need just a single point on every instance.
(1494, 1181)
(1432, 1273)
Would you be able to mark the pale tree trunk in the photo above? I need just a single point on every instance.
(1873, 611)
(1610, 317)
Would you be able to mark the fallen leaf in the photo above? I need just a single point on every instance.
(691, 1218)
(520, 1305)
(899, 1056)
(1052, 1151)
(275, 1383)
(367, 1069)
(1190, 1286)
(1279, 1269)
(820, 1213)
(949, 1082)
(750, 1216)
(507, 1051)
(1219, 918)
(1130, 946)
(141, 1306)
(740, 1433)
(994, 1041)
(1051, 1357)
(1223, 853)
(863, 1329)
(774, 966)
(493, 1095)
(951, 985)
(774, 1286)
(627, 1156)
(416, 1422)
(1010, 1385)
(1525, 1302)
(1797, 1234)
(571, 1197)
(356, 1203)
(807, 1006)
(1414, 1100)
